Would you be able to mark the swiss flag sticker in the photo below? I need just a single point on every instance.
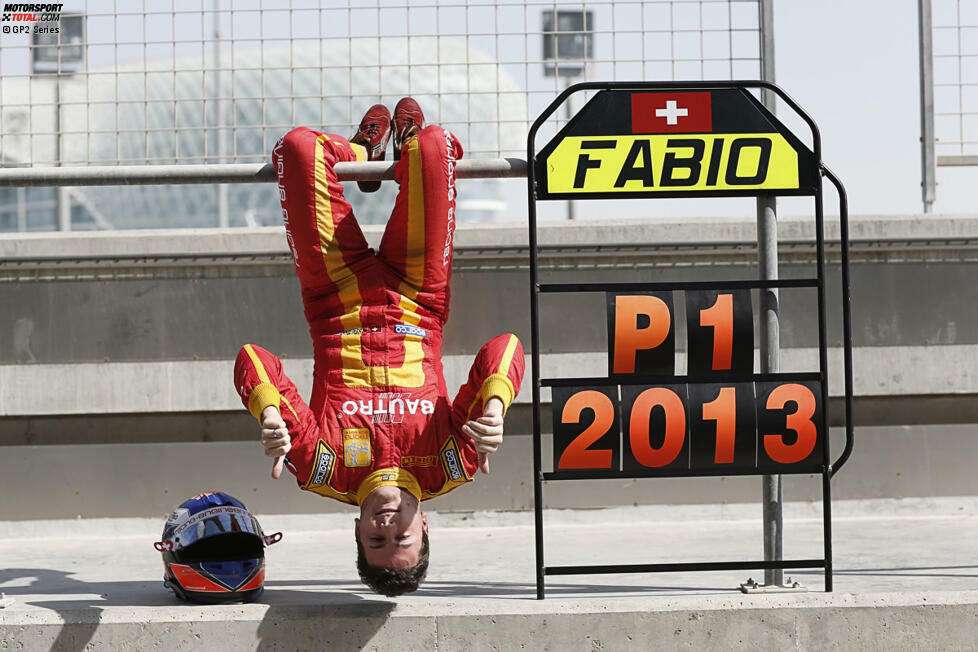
(665, 113)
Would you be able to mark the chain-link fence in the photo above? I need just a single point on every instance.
(955, 34)
(209, 81)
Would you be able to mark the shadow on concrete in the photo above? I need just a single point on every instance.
(322, 626)
(553, 589)
(81, 616)
(48, 582)
(904, 571)
(326, 615)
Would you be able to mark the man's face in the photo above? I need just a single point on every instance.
(390, 527)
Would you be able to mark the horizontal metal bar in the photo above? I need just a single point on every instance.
(691, 566)
(113, 175)
(641, 286)
(673, 472)
(953, 161)
(604, 381)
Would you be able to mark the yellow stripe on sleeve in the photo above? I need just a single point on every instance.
(499, 386)
(508, 355)
(264, 393)
(256, 363)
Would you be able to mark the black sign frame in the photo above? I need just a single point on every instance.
(810, 174)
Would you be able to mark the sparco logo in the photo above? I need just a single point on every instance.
(323, 464)
(453, 469)
(408, 329)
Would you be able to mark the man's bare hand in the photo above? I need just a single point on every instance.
(486, 431)
(275, 438)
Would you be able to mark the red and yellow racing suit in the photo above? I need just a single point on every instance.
(379, 413)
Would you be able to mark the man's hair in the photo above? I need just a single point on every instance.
(393, 581)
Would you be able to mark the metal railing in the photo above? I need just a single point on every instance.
(955, 81)
(219, 83)
(212, 173)
(212, 81)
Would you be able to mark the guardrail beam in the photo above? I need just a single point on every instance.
(209, 173)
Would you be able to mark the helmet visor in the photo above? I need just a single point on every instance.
(225, 519)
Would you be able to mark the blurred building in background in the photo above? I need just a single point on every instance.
(179, 112)
(211, 81)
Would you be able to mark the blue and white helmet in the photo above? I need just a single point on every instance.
(214, 550)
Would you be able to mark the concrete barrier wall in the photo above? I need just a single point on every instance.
(149, 479)
(116, 349)
(149, 296)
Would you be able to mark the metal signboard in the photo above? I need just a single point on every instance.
(724, 422)
(644, 419)
(674, 143)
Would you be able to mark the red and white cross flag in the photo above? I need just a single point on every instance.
(666, 113)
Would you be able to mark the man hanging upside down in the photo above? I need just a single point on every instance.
(379, 431)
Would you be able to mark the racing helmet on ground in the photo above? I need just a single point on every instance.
(214, 550)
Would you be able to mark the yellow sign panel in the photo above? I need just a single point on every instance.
(672, 163)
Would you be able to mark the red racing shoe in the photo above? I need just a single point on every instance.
(408, 120)
(373, 134)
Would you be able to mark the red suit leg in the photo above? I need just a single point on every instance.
(417, 243)
(335, 267)
(341, 278)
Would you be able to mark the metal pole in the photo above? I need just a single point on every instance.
(928, 181)
(568, 105)
(145, 175)
(535, 369)
(767, 241)
(62, 202)
(223, 219)
(770, 339)
(22, 209)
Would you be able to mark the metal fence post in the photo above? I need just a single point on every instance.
(767, 252)
(62, 201)
(21, 210)
(223, 197)
(928, 180)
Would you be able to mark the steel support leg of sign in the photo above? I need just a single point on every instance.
(928, 162)
(535, 380)
(770, 335)
(770, 340)
(823, 364)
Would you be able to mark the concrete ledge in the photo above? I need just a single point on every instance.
(584, 233)
(168, 254)
(870, 622)
(67, 589)
(205, 386)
